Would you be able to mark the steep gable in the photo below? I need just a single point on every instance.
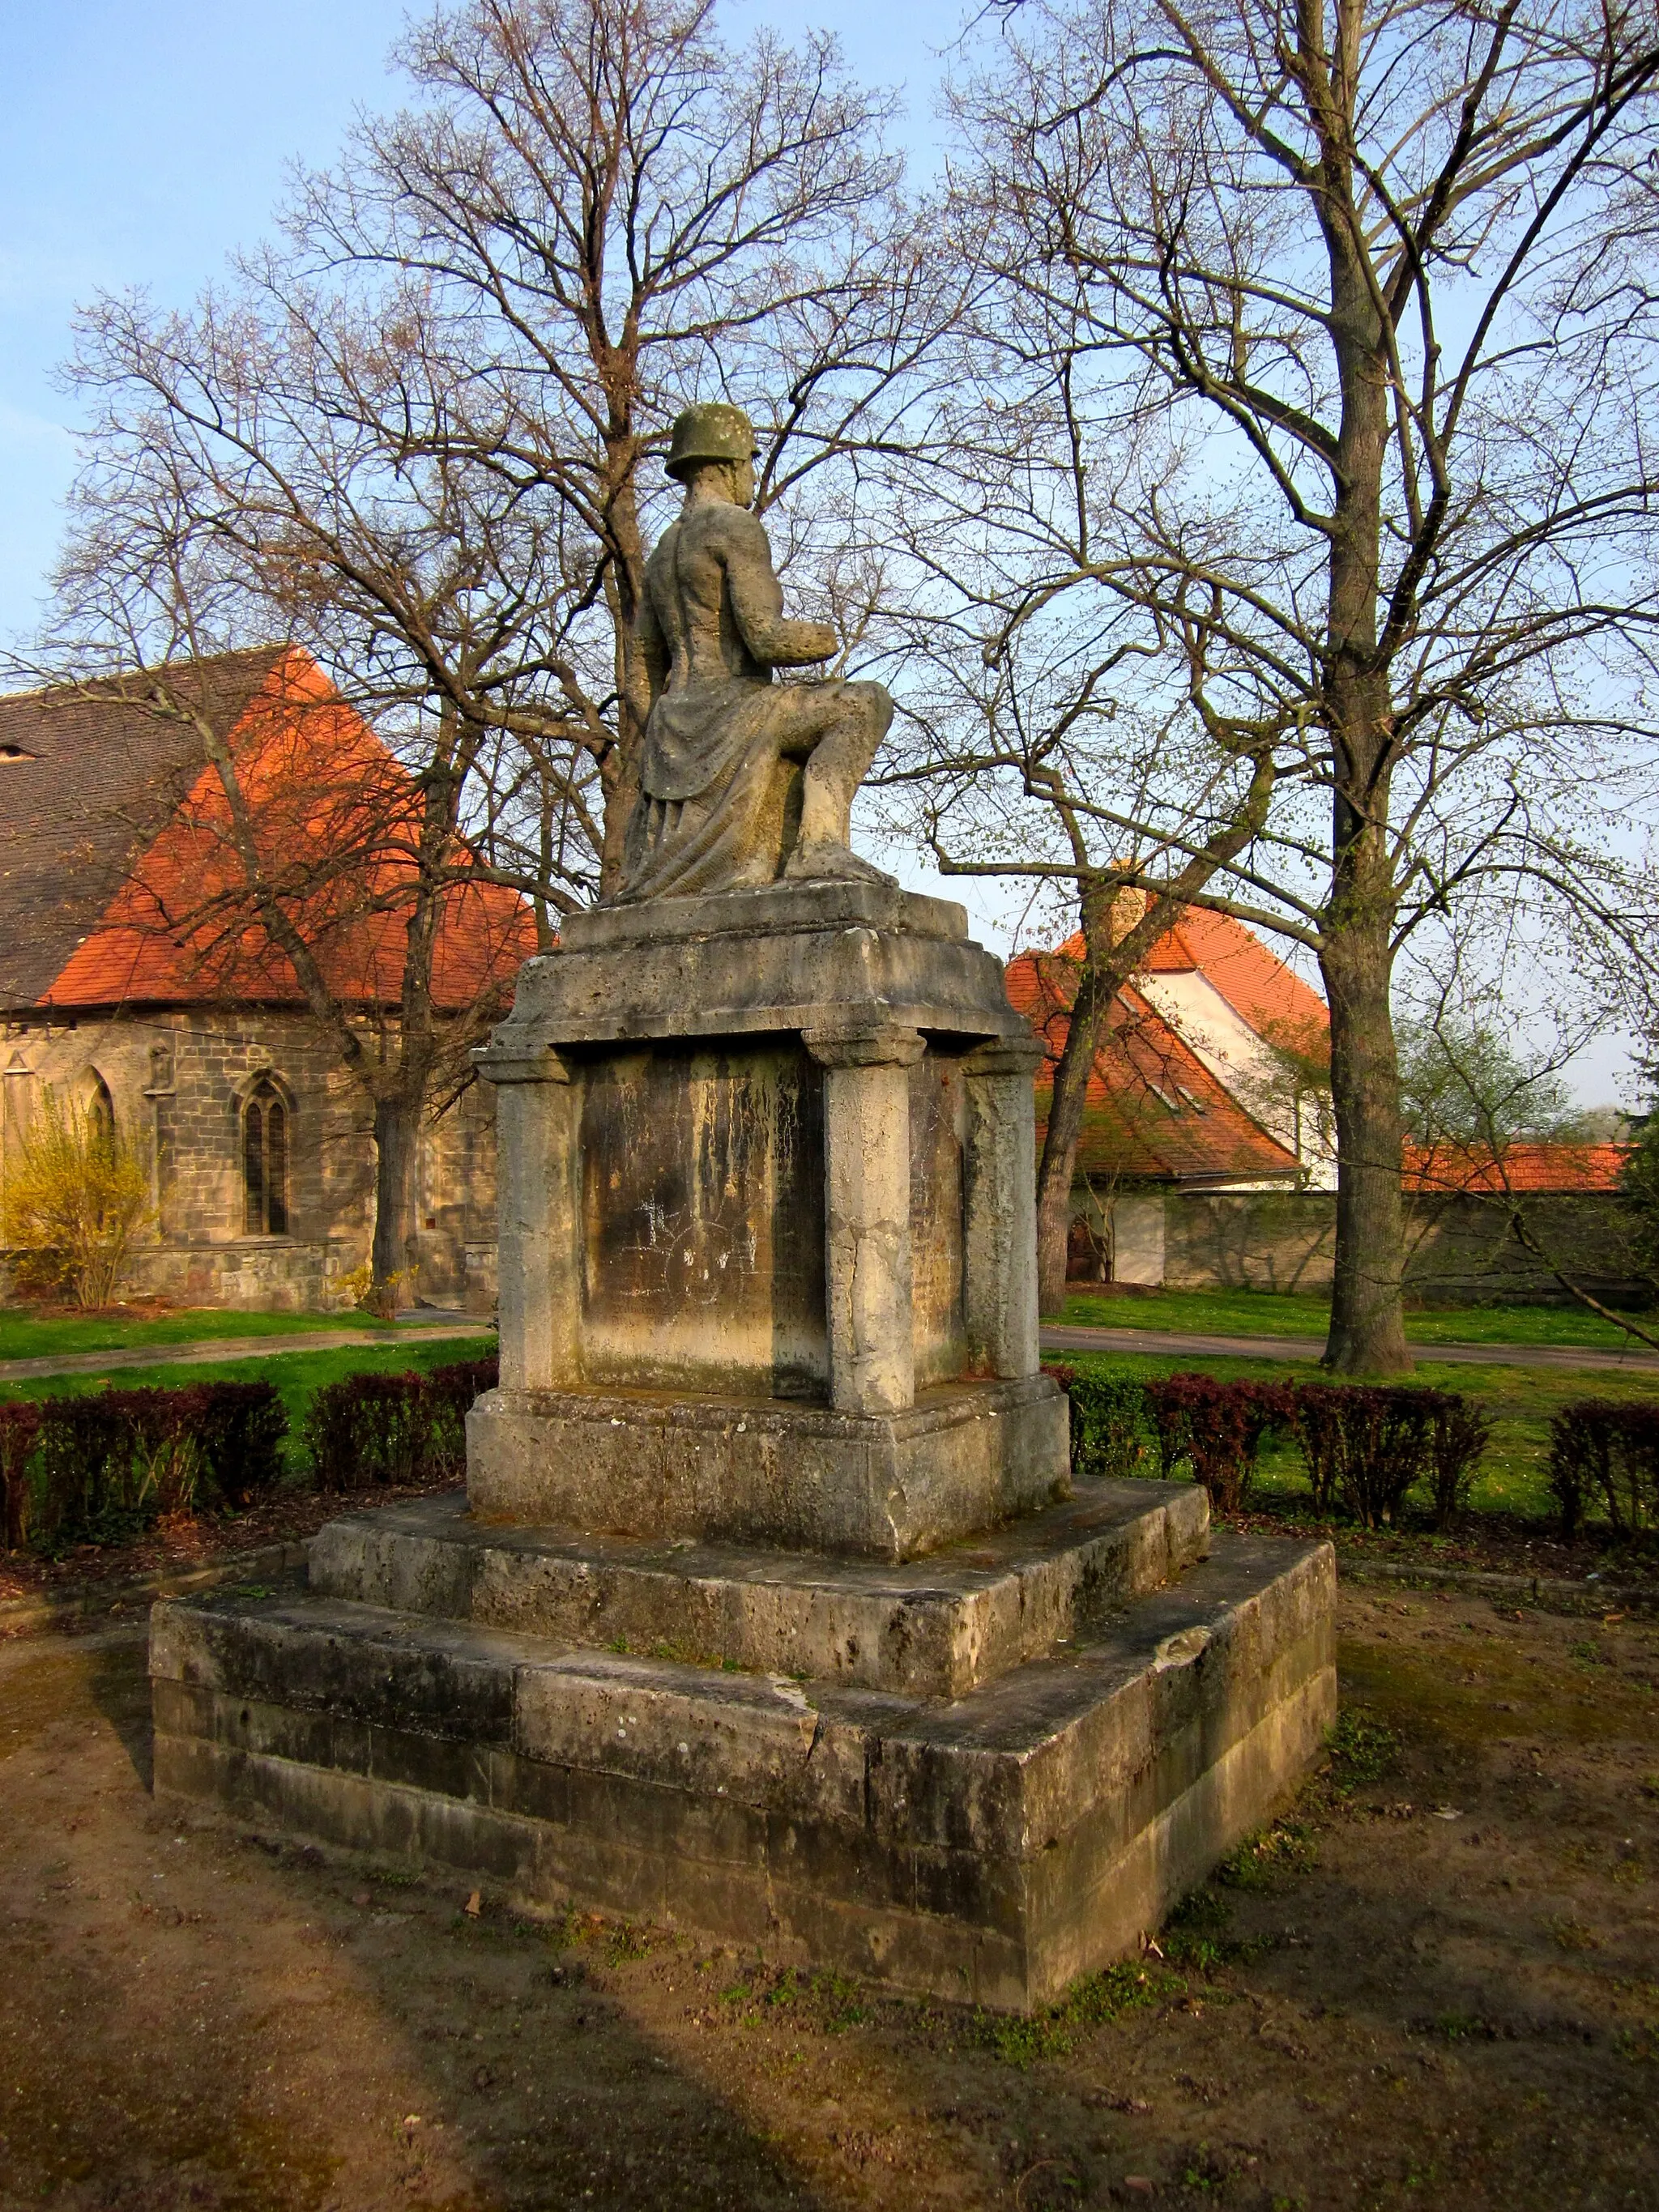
(87, 781)
(336, 820)
(1153, 1110)
(1262, 989)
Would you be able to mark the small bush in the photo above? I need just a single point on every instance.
(20, 1424)
(1364, 1448)
(448, 1393)
(371, 1429)
(365, 1430)
(81, 1489)
(1606, 1453)
(1458, 1436)
(76, 1196)
(99, 1469)
(1109, 1423)
(1365, 1445)
(241, 1428)
(1216, 1427)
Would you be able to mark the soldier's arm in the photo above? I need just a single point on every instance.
(649, 672)
(757, 600)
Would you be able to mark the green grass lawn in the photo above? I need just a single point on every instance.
(1292, 1313)
(23, 1336)
(296, 1374)
(1512, 1479)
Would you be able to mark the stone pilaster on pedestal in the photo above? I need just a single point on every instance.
(867, 1272)
(540, 1219)
(999, 1288)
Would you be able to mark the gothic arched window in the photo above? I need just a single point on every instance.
(100, 1116)
(264, 1161)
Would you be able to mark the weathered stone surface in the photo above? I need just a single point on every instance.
(768, 1281)
(702, 1194)
(1000, 1283)
(987, 1848)
(179, 1081)
(788, 907)
(867, 1214)
(795, 956)
(774, 1146)
(837, 1208)
(809, 1478)
(938, 1627)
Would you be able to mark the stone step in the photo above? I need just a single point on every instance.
(939, 1626)
(990, 1847)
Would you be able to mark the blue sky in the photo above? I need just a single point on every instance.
(144, 144)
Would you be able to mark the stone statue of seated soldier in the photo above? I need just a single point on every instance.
(744, 781)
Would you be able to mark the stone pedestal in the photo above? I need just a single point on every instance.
(768, 1608)
(768, 1244)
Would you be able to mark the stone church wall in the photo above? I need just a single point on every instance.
(179, 1084)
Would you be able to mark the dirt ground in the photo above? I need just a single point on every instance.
(1434, 1982)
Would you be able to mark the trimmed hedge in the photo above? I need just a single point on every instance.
(1217, 1428)
(1365, 1448)
(1109, 1432)
(373, 1429)
(100, 1468)
(1605, 1453)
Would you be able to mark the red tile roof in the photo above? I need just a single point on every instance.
(1269, 995)
(1153, 1110)
(318, 782)
(1449, 1166)
(87, 780)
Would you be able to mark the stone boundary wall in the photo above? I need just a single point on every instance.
(1460, 1248)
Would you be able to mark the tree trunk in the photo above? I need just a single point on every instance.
(1058, 1168)
(395, 1249)
(1368, 1327)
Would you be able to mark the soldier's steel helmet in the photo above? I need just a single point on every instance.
(713, 432)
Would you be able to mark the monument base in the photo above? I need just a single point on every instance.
(1003, 1764)
(965, 1456)
(937, 1627)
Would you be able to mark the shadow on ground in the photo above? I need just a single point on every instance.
(1434, 1982)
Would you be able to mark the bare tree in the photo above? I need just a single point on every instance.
(607, 214)
(243, 486)
(1014, 735)
(974, 792)
(1358, 313)
(417, 440)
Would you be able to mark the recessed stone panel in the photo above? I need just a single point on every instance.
(703, 1220)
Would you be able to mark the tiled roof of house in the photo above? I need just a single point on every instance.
(1269, 995)
(1153, 1111)
(1450, 1166)
(334, 816)
(86, 783)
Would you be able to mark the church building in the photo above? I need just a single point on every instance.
(131, 987)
